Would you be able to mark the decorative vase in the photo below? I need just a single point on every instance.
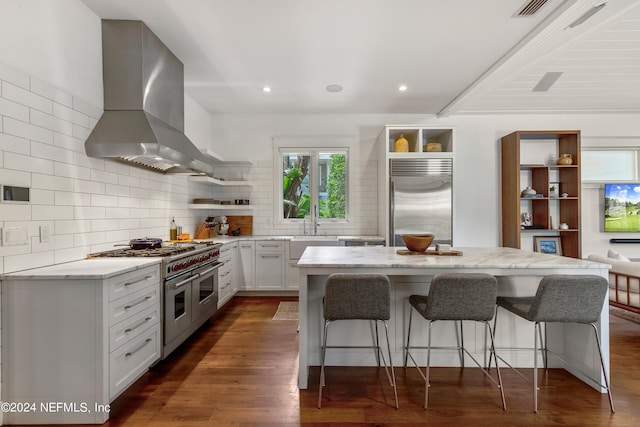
(401, 145)
(528, 192)
(565, 159)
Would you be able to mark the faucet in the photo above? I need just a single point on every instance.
(314, 218)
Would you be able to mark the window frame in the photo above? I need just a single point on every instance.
(307, 145)
(635, 174)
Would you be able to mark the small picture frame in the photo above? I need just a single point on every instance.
(554, 189)
(547, 245)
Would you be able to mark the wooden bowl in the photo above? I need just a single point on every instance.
(417, 243)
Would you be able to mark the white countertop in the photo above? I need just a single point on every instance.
(486, 258)
(230, 239)
(94, 268)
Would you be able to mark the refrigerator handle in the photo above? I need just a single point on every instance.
(392, 231)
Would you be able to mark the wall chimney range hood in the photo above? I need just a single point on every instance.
(143, 119)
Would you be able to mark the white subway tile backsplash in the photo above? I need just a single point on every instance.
(102, 200)
(51, 92)
(86, 239)
(26, 130)
(51, 152)
(15, 177)
(14, 144)
(89, 212)
(139, 213)
(80, 131)
(128, 202)
(83, 186)
(130, 181)
(71, 171)
(68, 198)
(103, 225)
(13, 109)
(86, 108)
(117, 167)
(71, 226)
(27, 163)
(51, 212)
(42, 197)
(71, 254)
(116, 190)
(69, 142)
(26, 98)
(48, 121)
(15, 212)
(118, 213)
(82, 159)
(75, 117)
(48, 182)
(129, 223)
(103, 176)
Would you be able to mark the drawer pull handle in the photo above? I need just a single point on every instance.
(271, 246)
(138, 281)
(226, 273)
(145, 299)
(246, 246)
(226, 286)
(136, 326)
(270, 256)
(137, 349)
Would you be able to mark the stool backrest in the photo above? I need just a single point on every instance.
(567, 298)
(357, 296)
(462, 296)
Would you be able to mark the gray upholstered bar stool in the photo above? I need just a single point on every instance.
(458, 297)
(351, 296)
(561, 299)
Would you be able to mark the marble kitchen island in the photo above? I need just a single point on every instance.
(518, 273)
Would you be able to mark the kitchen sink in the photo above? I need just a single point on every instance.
(298, 244)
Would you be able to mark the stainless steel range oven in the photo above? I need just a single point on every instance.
(190, 287)
(190, 295)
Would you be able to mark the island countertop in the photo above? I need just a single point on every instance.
(518, 273)
(471, 258)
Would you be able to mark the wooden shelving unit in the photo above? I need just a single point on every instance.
(547, 212)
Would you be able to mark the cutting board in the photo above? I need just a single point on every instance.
(245, 223)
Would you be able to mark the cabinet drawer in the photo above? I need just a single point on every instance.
(135, 303)
(130, 361)
(270, 246)
(133, 281)
(131, 327)
(226, 251)
(224, 290)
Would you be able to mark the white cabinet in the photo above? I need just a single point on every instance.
(246, 265)
(78, 332)
(269, 265)
(294, 276)
(227, 281)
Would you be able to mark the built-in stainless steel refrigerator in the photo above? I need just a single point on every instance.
(420, 199)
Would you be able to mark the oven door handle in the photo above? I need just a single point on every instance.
(216, 266)
(185, 282)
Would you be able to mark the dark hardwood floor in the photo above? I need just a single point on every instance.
(241, 370)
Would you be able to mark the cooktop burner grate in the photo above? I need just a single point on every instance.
(148, 252)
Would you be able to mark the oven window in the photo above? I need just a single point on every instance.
(207, 287)
(179, 305)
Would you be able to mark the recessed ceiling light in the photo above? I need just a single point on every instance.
(334, 88)
(266, 89)
(402, 88)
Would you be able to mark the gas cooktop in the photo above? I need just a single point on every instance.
(147, 252)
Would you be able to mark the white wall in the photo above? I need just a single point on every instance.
(477, 161)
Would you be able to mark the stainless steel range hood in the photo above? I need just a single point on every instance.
(143, 119)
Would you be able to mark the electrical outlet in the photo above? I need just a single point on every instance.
(13, 236)
(44, 233)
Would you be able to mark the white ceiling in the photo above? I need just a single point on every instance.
(455, 56)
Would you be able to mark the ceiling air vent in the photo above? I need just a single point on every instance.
(531, 7)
